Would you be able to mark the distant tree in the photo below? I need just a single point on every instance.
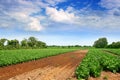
(13, 44)
(2, 42)
(24, 43)
(77, 46)
(41, 44)
(69, 46)
(114, 45)
(117, 44)
(101, 43)
(32, 41)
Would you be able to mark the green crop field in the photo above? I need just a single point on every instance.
(114, 51)
(8, 57)
(96, 61)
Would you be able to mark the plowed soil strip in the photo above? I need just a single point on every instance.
(60, 67)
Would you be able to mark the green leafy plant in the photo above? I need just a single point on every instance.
(96, 61)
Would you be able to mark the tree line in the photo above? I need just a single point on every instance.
(68, 46)
(103, 43)
(31, 42)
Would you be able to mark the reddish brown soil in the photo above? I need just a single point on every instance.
(60, 67)
(107, 76)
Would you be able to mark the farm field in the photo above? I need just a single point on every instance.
(92, 64)
(9, 57)
(97, 61)
(114, 51)
(59, 39)
(60, 67)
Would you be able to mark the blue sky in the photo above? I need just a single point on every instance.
(60, 22)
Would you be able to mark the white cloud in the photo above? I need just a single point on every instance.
(54, 2)
(60, 15)
(108, 22)
(22, 16)
(30, 23)
(89, 19)
(110, 4)
(23, 12)
(111, 19)
(34, 25)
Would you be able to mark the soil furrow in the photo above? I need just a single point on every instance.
(60, 67)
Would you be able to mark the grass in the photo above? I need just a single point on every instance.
(9, 57)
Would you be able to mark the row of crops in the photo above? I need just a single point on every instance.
(95, 62)
(114, 51)
(8, 57)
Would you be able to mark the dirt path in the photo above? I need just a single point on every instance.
(59, 67)
(107, 76)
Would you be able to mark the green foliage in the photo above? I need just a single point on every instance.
(32, 42)
(13, 44)
(114, 45)
(29, 43)
(41, 44)
(100, 43)
(8, 57)
(24, 43)
(2, 43)
(113, 51)
(96, 61)
(82, 70)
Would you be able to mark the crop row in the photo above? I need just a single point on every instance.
(8, 57)
(114, 51)
(95, 62)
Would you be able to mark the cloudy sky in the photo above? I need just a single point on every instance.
(60, 22)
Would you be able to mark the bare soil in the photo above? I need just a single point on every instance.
(107, 76)
(60, 67)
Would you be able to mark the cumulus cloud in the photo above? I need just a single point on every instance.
(112, 14)
(20, 13)
(86, 18)
(28, 14)
(113, 6)
(34, 25)
(30, 23)
(108, 19)
(37, 14)
(60, 15)
(108, 22)
(54, 2)
(110, 4)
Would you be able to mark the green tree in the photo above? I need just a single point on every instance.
(101, 43)
(32, 42)
(2, 43)
(114, 45)
(24, 43)
(41, 44)
(13, 44)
